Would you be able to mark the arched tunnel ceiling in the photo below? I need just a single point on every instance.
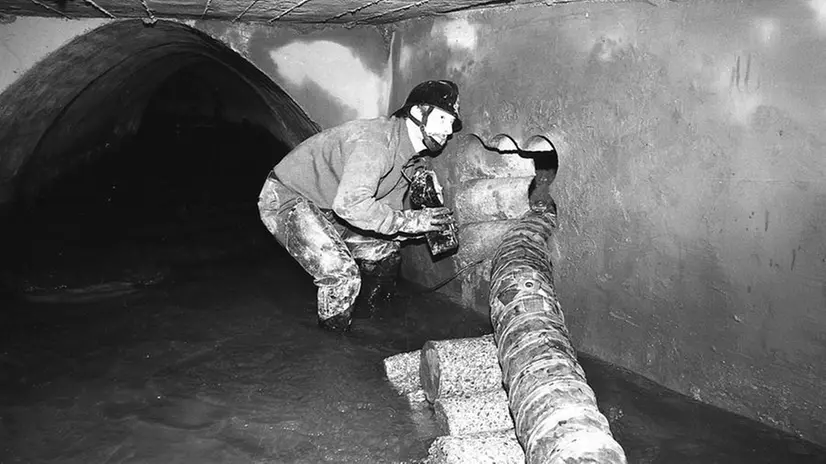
(51, 114)
(302, 11)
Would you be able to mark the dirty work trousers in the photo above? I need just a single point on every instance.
(327, 249)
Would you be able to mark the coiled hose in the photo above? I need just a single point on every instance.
(555, 411)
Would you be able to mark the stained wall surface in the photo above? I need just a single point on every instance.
(691, 193)
(335, 74)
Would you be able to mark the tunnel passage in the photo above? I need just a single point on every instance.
(132, 137)
(95, 88)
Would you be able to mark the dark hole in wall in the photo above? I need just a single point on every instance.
(178, 192)
(546, 164)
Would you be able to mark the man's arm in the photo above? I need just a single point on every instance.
(355, 201)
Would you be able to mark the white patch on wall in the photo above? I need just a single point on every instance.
(738, 85)
(336, 70)
(238, 37)
(766, 30)
(27, 40)
(389, 76)
(605, 36)
(609, 46)
(742, 106)
(819, 8)
(459, 34)
(405, 58)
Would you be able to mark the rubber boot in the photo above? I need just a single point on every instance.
(339, 323)
(378, 286)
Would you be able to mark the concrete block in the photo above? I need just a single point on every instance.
(500, 447)
(484, 200)
(480, 239)
(402, 371)
(469, 160)
(459, 367)
(474, 288)
(474, 413)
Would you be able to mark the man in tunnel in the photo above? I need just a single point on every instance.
(335, 202)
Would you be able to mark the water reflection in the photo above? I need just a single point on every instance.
(224, 363)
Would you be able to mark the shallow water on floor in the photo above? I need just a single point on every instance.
(224, 363)
(193, 339)
(217, 364)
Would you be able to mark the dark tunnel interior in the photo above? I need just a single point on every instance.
(180, 190)
(133, 151)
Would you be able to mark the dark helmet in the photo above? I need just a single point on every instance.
(441, 94)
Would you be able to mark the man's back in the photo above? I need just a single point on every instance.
(314, 168)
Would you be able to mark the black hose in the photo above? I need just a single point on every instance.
(444, 282)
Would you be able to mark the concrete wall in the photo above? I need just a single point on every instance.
(27, 40)
(691, 191)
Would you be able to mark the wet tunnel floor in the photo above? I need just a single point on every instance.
(224, 363)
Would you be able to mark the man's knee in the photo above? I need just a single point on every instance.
(349, 280)
(343, 284)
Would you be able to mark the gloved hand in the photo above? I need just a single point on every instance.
(426, 220)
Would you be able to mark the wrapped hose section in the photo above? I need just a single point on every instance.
(554, 410)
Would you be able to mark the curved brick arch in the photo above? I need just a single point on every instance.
(100, 83)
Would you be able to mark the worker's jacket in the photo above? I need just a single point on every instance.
(354, 169)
